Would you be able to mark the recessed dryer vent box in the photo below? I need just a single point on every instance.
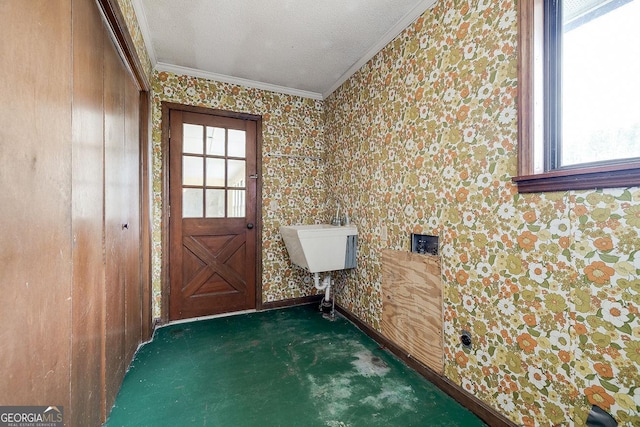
(424, 244)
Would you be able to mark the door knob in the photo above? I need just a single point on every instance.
(250, 226)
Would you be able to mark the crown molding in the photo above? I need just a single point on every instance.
(387, 38)
(176, 69)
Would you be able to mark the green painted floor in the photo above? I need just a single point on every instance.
(287, 367)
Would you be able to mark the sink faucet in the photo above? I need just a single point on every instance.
(340, 219)
(345, 219)
(336, 219)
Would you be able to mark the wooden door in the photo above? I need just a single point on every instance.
(132, 248)
(123, 286)
(213, 237)
(115, 219)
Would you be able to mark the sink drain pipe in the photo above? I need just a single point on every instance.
(325, 286)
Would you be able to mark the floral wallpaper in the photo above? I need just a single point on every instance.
(136, 35)
(423, 139)
(293, 189)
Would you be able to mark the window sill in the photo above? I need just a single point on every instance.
(611, 176)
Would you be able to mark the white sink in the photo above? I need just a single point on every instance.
(321, 247)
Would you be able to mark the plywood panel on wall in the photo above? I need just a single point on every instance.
(412, 305)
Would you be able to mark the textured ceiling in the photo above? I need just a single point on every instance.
(306, 47)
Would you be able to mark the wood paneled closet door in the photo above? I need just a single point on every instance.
(121, 220)
(108, 284)
(73, 266)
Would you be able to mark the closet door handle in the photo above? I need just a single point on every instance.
(125, 226)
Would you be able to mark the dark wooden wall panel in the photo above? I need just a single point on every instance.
(71, 276)
(115, 217)
(133, 253)
(35, 200)
(87, 210)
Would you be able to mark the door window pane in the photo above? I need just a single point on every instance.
(215, 172)
(237, 143)
(214, 169)
(215, 204)
(215, 141)
(191, 203)
(236, 173)
(236, 203)
(192, 138)
(192, 170)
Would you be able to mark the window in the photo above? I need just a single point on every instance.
(579, 94)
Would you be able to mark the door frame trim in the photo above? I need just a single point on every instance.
(166, 108)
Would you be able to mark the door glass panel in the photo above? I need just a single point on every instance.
(215, 141)
(192, 138)
(237, 143)
(215, 204)
(192, 170)
(191, 203)
(236, 203)
(215, 172)
(236, 173)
